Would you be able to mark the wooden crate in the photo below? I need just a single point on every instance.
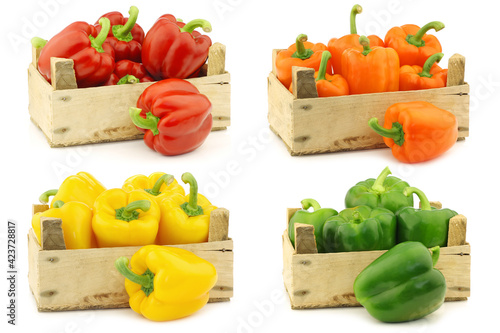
(310, 125)
(325, 280)
(71, 116)
(63, 279)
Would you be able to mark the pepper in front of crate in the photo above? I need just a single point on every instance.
(385, 191)
(417, 131)
(402, 284)
(166, 283)
(175, 117)
(427, 224)
(93, 58)
(427, 77)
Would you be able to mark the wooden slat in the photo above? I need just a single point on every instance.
(52, 237)
(457, 230)
(216, 62)
(303, 83)
(305, 241)
(62, 74)
(219, 225)
(456, 70)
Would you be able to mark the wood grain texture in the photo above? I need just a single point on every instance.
(305, 241)
(62, 74)
(52, 237)
(303, 83)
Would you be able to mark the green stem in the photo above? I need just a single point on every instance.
(356, 217)
(308, 203)
(378, 185)
(396, 132)
(128, 79)
(302, 52)
(325, 56)
(146, 280)
(97, 42)
(424, 202)
(38, 42)
(148, 123)
(365, 42)
(198, 23)
(356, 9)
(58, 204)
(130, 213)
(191, 207)
(44, 198)
(417, 38)
(165, 179)
(426, 69)
(435, 251)
(123, 32)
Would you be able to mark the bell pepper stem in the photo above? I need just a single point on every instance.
(417, 38)
(149, 123)
(146, 280)
(365, 42)
(308, 203)
(356, 9)
(395, 132)
(58, 204)
(38, 42)
(325, 56)
(426, 69)
(302, 52)
(198, 23)
(129, 212)
(378, 185)
(44, 197)
(165, 179)
(356, 217)
(128, 79)
(123, 32)
(435, 251)
(424, 202)
(191, 208)
(103, 34)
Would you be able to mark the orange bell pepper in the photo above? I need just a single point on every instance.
(328, 85)
(371, 70)
(412, 43)
(301, 54)
(427, 77)
(417, 131)
(337, 46)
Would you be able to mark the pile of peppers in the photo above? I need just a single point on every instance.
(406, 59)
(379, 215)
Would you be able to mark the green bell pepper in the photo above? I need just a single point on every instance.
(402, 284)
(315, 218)
(426, 225)
(386, 192)
(360, 229)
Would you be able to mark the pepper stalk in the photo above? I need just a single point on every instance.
(395, 132)
(197, 23)
(124, 32)
(302, 52)
(325, 56)
(356, 9)
(416, 39)
(191, 208)
(97, 42)
(146, 280)
(165, 179)
(424, 202)
(130, 213)
(308, 203)
(435, 58)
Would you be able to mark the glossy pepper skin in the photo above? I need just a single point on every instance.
(337, 46)
(372, 70)
(166, 283)
(428, 77)
(426, 225)
(185, 219)
(413, 45)
(158, 185)
(127, 72)
(417, 131)
(175, 117)
(93, 58)
(316, 218)
(360, 229)
(82, 187)
(76, 224)
(385, 191)
(328, 85)
(402, 284)
(173, 50)
(125, 218)
(125, 35)
(302, 54)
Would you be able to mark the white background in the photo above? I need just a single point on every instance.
(248, 170)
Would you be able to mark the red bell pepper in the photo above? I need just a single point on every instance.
(125, 35)
(127, 71)
(172, 49)
(93, 59)
(175, 117)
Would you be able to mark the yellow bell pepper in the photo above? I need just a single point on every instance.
(185, 219)
(166, 283)
(159, 185)
(76, 224)
(81, 187)
(125, 218)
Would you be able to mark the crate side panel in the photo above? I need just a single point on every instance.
(40, 101)
(454, 262)
(340, 123)
(33, 274)
(280, 103)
